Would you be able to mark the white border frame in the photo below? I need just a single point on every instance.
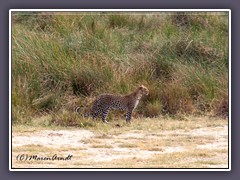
(117, 10)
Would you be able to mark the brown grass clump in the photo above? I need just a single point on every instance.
(182, 19)
(197, 50)
(175, 99)
(221, 106)
(153, 109)
(66, 119)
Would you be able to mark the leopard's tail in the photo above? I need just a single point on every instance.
(78, 110)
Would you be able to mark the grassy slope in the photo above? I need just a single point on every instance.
(63, 60)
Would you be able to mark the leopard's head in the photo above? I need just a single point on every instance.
(143, 90)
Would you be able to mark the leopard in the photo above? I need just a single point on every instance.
(106, 102)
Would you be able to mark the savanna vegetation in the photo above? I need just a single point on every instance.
(61, 60)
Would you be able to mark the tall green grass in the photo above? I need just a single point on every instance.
(60, 60)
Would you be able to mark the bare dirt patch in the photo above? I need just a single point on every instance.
(52, 138)
(205, 147)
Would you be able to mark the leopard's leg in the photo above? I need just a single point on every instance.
(128, 116)
(104, 115)
(95, 115)
(94, 111)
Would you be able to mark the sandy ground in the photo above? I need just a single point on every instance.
(100, 150)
